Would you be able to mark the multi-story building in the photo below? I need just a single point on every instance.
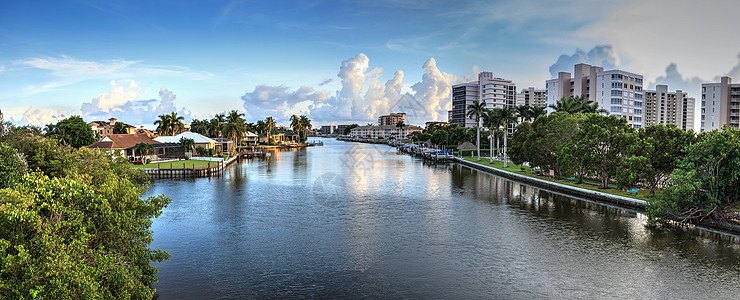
(620, 93)
(665, 107)
(720, 105)
(384, 131)
(103, 128)
(496, 92)
(328, 129)
(582, 83)
(392, 119)
(340, 129)
(532, 97)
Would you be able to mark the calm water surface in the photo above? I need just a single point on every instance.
(363, 221)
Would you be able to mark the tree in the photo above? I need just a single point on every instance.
(439, 137)
(400, 125)
(120, 128)
(475, 111)
(169, 124)
(547, 138)
(269, 127)
(75, 132)
(163, 124)
(12, 166)
(235, 127)
(143, 149)
(85, 235)
(349, 128)
(186, 144)
(603, 143)
(654, 156)
(306, 124)
(705, 182)
(508, 116)
(519, 149)
(200, 127)
(492, 118)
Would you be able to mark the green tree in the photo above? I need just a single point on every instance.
(143, 149)
(12, 166)
(81, 236)
(475, 111)
(306, 124)
(705, 182)
(270, 125)
(604, 141)
(200, 127)
(186, 144)
(75, 132)
(439, 137)
(508, 117)
(550, 134)
(520, 153)
(349, 128)
(120, 128)
(492, 118)
(235, 127)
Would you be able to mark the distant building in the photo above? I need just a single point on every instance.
(340, 129)
(427, 124)
(103, 128)
(328, 129)
(582, 83)
(449, 116)
(720, 105)
(665, 107)
(384, 131)
(532, 97)
(496, 92)
(392, 119)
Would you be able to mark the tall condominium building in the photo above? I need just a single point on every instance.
(496, 92)
(665, 107)
(532, 97)
(582, 83)
(620, 93)
(720, 105)
(392, 119)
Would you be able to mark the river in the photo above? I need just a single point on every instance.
(364, 221)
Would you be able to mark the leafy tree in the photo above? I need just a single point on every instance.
(654, 156)
(439, 137)
(81, 236)
(200, 127)
(120, 128)
(492, 118)
(578, 104)
(186, 144)
(603, 143)
(519, 150)
(201, 151)
(169, 124)
(475, 111)
(349, 128)
(143, 149)
(75, 132)
(705, 182)
(270, 125)
(12, 166)
(235, 127)
(550, 134)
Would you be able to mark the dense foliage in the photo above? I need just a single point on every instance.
(75, 132)
(75, 226)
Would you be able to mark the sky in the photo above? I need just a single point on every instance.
(337, 62)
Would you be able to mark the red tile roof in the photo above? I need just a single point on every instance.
(121, 141)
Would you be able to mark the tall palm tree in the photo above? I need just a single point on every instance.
(475, 111)
(306, 122)
(492, 118)
(269, 127)
(296, 125)
(163, 124)
(400, 125)
(260, 126)
(568, 104)
(508, 116)
(524, 112)
(217, 125)
(176, 123)
(593, 107)
(235, 127)
(537, 111)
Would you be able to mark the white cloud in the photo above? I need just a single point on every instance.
(124, 102)
(65, 70)
(603, 56)
(35, 116)
(362, 97)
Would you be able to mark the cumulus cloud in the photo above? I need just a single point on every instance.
(603, 56)
(676, 81)
(35, 116)
(124, 103)
(362, 97)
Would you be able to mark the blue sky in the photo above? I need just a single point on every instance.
(336, 61)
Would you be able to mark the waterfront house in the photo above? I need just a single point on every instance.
(251, 137)
(224, 145)
(124, 145)
(200, 140)
(103, 128)
(383, 131)
(280, 136)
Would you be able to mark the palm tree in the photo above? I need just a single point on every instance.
(524, 112)
(475, 111)
(306, 123)
(269, 127)
(235, 126)
(568, 104)
(142, 148)
(260, 126)
(492, 118)
(217, 125)
(163, 124)
(593, 107)
(400, 125)
(508, 116)
(296, 125)
(537, 111)
(187, 143)
(176, 124)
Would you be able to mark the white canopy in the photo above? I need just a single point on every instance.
(197, 138)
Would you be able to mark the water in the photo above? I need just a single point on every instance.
(362, 221)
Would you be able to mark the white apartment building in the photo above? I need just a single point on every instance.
(496, 92)
(532, 97)
(720, 105)
(582, 83)
(665, 107)
(383, 131)
(620, 93)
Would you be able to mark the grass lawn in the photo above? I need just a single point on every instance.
(177, 164)
(641, 194)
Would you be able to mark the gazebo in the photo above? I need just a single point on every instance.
(466, 146)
